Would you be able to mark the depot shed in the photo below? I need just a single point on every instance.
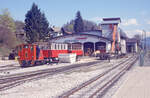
(89, 40)
(131, 45)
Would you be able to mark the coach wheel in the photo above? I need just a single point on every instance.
(44, 61)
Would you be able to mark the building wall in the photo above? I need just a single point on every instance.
(136, 47)
(132, 47)
(108, 47)
(83, 38)
(123, 46)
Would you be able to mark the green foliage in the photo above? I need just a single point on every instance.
(69, 27)
(88, 26)
(7, 21)
(63, 31)
(7, 29)
(36, 25)
(78, 25)
(20, 33)
(8, 38)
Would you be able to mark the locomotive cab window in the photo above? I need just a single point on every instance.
(31, 48)
(25, 46)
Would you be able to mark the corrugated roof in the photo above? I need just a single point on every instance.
(110, 22)
(110, 19)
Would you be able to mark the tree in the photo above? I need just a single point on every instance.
(36, 25)
(7, 30)
(7, 33)
(78, 25)
(20, 33)
(7, 21)
(88, 26)
(19, 26)
(63, 31)
(69, 26)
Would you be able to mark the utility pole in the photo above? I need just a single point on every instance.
(144, 40)
(143, 52)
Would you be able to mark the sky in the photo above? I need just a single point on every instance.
(134, 14)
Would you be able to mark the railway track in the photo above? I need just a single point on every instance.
(98, 85)
(10, 81)
(9, 68)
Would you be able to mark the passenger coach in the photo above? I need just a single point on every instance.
(42, 53)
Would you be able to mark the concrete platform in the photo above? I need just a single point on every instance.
(136, 85)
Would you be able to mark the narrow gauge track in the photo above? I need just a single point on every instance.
(97, 86)
(10, 81)
(9, 68)
(9, 65)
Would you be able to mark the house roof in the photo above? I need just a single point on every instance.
(111, 19)
(110, 22)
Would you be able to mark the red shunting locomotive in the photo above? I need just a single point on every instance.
(42, 53)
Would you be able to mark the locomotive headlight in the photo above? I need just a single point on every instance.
(56, 58)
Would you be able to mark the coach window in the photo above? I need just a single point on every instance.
(66, 46)
(69, 47)
(55, 47)
(61, 46)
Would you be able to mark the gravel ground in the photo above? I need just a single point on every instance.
(111, 92)
(35, 68)
(135, 84)
(52, 86)
(8, 62)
